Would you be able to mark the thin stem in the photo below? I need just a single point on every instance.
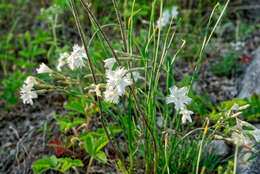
(89, 164)
(235, 160)
(121, 24)
(131, 89)
(201, 144)
(75, 14)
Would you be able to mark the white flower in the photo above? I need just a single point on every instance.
(186, 114)
(166, 16)
(178, 96)
(75, 60)
(164, 20)
(111, 96)
(118, 80)
(31, 81)
(174, 12)
(109, 63)
(27, 94)
(62, 60)
(43, 69)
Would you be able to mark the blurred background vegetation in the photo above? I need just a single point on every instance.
(38, 31)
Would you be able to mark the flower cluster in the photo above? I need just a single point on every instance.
(73, 60)
(27, 93)
(166, 16)
(179, 97)
(117, 81)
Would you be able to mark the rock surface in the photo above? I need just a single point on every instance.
(249, 159)
(219, 147)
(250, 82)
(252, 166)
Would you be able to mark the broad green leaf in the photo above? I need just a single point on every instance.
(66, 165)
(101, 156)
(100, 143)
(45, 164)
(89, 145)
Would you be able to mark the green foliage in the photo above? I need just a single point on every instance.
(77, 105)
(201, 105)
(53, 163)
(93, 147)
(67, 124)
(95, 141)
(227, 64)
(10, 87)
(251, 114)
(32, 47)
(245, 30)
(228, 170)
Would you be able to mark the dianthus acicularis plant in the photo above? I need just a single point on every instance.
(157, 126)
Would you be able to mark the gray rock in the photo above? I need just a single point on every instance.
(252, 166)
(249, 160)
(250, 82)
(219, 147)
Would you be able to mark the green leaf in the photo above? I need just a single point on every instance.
(64, 125)
(101, 156)
(77, 121)
(100, 143)
(75, 106)
(121, 167)
(39, 52)
(89, 145)
(248, 128)
(61, 164)
(45, 164)
(66, 165)
(6, 6)
(25, 54)
(27, 36)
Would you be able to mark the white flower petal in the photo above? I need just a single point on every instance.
(27, 94)
(117, 81)
(109, 63)
(62, 60)
(186, 114)
(178, 96)
(43, 69)
(31, 81)
(75, 60)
